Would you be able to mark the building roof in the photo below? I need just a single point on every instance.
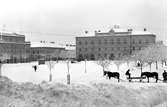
(118, 32)
(51, 45)
(11, 34)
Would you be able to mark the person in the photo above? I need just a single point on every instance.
(128, 73)
(35, 68)
(164, 75)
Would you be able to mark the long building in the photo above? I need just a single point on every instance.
(13, 47)
(113, 44)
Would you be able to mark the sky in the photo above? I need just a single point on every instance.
(62, 20)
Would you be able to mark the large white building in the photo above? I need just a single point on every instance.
(112, 44)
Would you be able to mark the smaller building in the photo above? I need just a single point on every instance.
(45, 51)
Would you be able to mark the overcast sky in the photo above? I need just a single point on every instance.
(63, 20)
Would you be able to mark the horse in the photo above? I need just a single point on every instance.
(112, 74)
(150, 74)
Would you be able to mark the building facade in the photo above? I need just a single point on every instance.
(45, 52)
(112, 44)
(13, 47)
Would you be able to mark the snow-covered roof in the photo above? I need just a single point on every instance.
(11, 34)
(118, 32)
(45, 44)
(52, 45)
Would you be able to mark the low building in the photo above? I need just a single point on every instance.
(45, 51)
(13, 47)
(113, 44)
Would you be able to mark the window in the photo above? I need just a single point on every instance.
(80, 42)
(125, 41)
(112, 41)
(146, 41)
(133, 41)
(105, 49)
(86, 42)
(105, 55)
(133, 48)
(105, 41)
(99, 49)
(92, 42)
(112, 48)
(139, 48)
(139, 41)
(124, 48)
(99, 41)
(118, 48)
(80, 49)
(86, 49)
(118, 40)
(119, 55)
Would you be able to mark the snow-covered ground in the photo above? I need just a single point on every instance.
(88, 88)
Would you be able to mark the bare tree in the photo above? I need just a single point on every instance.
(118, 63)
(103, 63)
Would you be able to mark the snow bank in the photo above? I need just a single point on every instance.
(78, 95)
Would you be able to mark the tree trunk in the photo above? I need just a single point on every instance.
(156, 65)
(0, 70)
(50, 77)
(150, 67)
(103, 70)
(165, 63)
(141, 68)
(162, 63)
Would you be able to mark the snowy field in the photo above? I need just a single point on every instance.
(88, 88)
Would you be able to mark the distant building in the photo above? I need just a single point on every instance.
(112, 44)
(13, 47)
(45, 51)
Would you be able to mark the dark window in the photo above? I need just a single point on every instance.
(105, 41)
(125, 41)
(133, 48)
(86, 49)
(118, 40)
(146, 41)
(124, 48)
(139, 48)
(119, 55)
(105, 55)
(86, 42)
(80, 42)
(112, 48)
(80, 49)
(92, 42)
(99, 49)
(105, 49)
(139, 41)
(99, 41)
(112, 41)
(133, 41)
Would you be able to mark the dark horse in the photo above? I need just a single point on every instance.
(111, 74)
(150, 74)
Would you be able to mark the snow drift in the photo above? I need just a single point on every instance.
(47, 94)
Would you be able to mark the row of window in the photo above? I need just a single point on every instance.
(99, 55)
(106, 49)
(118, 41)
